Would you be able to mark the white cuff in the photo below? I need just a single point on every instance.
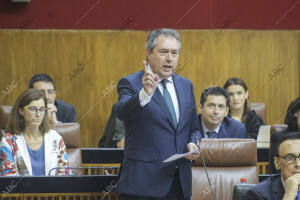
(193, 144)
(144, 97)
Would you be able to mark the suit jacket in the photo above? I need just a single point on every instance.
(66, 113)
(151, 137)
(269, 189)
(230, 128)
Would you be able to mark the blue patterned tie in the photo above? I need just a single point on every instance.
(212, 134)
(169, 102)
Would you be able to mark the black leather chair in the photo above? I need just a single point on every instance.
(240, 190)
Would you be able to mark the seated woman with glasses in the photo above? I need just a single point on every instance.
(239, 108)
(30, 147)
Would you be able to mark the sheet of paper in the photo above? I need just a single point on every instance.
(177, 156)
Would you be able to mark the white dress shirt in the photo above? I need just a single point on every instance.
(205, 130)
(145, 98)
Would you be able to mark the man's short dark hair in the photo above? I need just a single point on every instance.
(216, 91)
(41, 77)
(287, 136)
(290, 118)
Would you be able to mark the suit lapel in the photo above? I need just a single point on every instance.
(159, 99)
(222, 131)
(200, 126)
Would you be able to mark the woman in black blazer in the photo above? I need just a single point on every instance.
(240, 106)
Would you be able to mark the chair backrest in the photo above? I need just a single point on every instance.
(227, 161)
(275, 128)
(260, 109)
(71, 135)
(240, 191)
(4, 114)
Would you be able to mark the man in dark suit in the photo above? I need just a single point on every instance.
(158, 110)
(213, 119)
(58, 111)
(283, 186)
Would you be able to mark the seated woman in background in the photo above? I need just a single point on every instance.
(239, 108)
(30, 147)
(292, 119)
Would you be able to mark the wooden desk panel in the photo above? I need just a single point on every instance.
(61, 196)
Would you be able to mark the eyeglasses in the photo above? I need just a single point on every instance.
(34, 110)
(290, 159)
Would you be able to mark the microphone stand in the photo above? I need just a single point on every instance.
(204, 165)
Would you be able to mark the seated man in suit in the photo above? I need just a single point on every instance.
(283, 186)
(213, 119)
(58, 111)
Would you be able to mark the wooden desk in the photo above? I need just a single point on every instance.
(58, 187)
(112, 157)
(92, 158)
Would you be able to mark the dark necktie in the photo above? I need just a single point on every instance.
(169, 102)
(212, 134)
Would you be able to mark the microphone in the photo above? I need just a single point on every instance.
(204, 165)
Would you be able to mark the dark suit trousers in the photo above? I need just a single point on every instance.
(175, 192)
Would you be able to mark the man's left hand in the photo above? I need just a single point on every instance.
(193, 156)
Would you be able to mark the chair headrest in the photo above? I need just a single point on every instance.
(70, 133)
(260, 109)
(275, 128)
(228, 152)
(4, 114)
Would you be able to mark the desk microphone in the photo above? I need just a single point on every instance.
(204, 165)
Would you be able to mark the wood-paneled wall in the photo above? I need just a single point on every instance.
(86, 66)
